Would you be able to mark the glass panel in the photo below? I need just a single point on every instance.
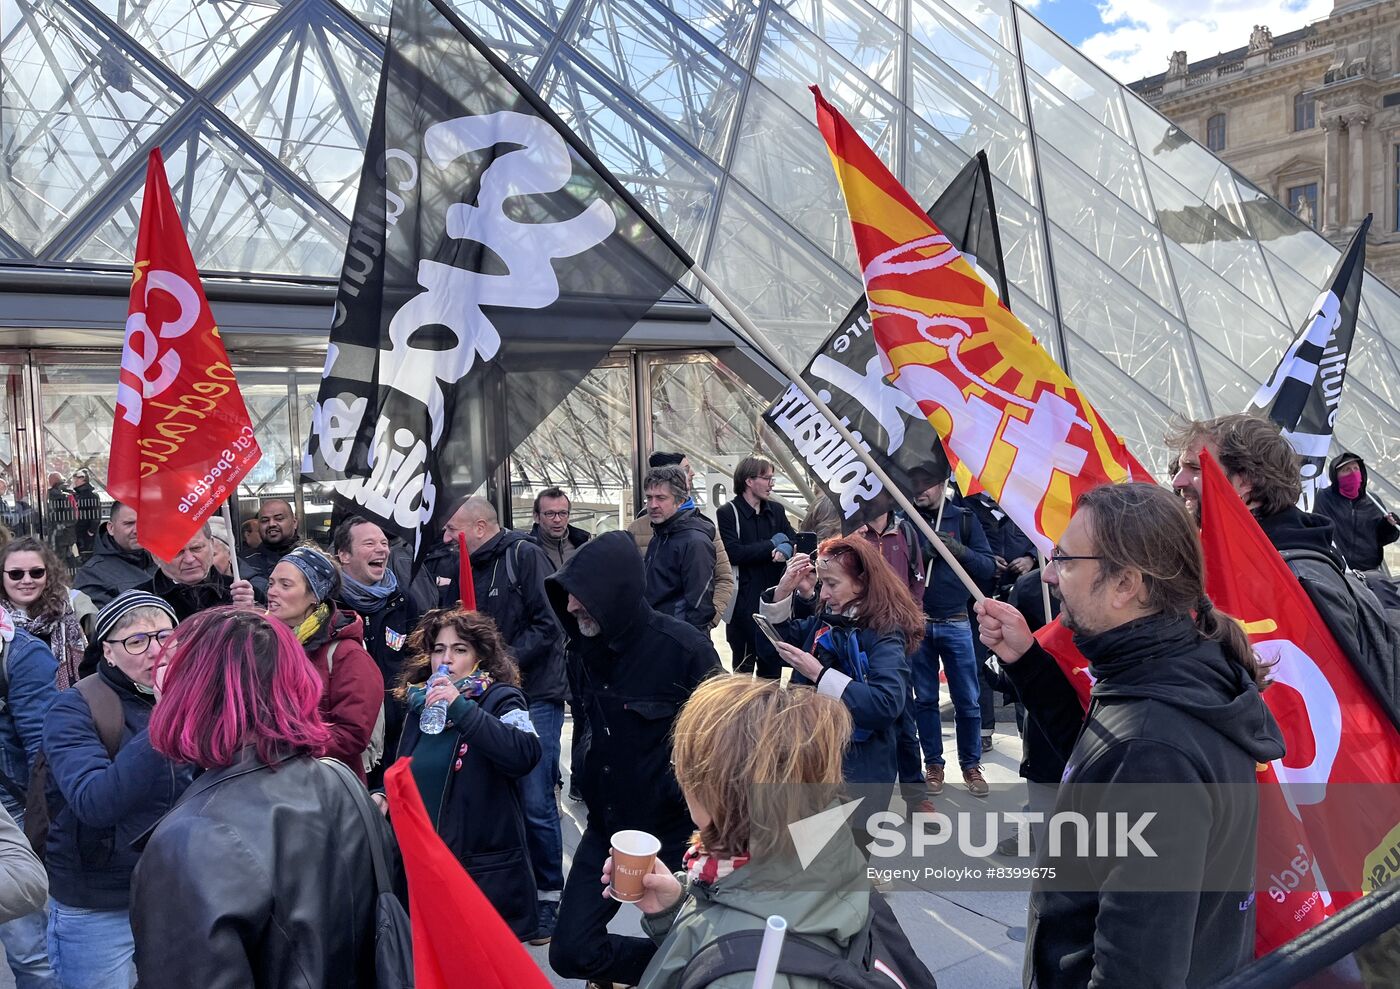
(727, 24)
(991, 17)
(1161, 141)
(1129, 408)
(515, 38)
(674, 184)
(1297, 293)
(1107, 227)
(75, 108)
(1073, 75)
(964, 114)
(237, 217)
(1213, 238)
(1369, 428)
(654, 58)
(309, 102)
(1107, 313)
(1384, 305)
(971, 54)
(1247, 334)
(1228, 387)
(1041, 324)
(584, 447)
(1370, 364)
(193, 37)
(782, 159)
(861, 36)
(1111, 161)
(790, 289)
(373, 13)
(18, 481)
(791, 59)
(267, 394)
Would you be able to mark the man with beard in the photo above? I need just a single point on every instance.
(1176, 727)
(632, 669)
(680, 559)
(189, 583)
(118, 563)
(369, 587)
(1265, 470)
(277, 524)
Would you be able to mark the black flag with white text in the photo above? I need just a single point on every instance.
(1303, 392)
(492, 262)
(846, 374)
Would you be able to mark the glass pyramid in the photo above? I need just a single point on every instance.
(1163, 280)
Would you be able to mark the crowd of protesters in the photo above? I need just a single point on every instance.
(163, 723)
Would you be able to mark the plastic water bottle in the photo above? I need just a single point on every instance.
(434, 717)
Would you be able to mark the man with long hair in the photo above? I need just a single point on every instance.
(1177, 727)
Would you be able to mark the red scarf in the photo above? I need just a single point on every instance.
(703, 867)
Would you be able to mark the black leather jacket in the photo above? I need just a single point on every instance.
(258, 877)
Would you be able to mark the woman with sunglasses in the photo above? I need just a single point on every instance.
(851, 638)
(106, 787)
(34, 590)
(469, 774)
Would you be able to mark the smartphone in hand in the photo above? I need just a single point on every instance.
(806, 542)
(766, 627)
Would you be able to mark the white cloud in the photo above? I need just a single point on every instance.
(1142, 34)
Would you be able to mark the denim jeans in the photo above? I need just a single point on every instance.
(542, 832)
(951, 644)
(91, 949)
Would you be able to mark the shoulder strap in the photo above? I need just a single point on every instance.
(736, 953)
(359, 796)
(106, 709)
(330, 657)
(512, 558)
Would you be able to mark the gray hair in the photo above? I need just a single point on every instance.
(144, 613)
(669, 476)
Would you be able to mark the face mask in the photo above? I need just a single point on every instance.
(1349, 486)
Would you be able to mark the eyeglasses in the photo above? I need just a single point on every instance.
(35, 573)
(764, 477)
(555, 515)
(1060, 559)
(141, 641)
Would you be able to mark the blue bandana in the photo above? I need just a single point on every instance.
(318, 571)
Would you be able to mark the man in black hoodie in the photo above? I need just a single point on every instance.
(1176, 723)
(1360, 527)
(632, 668)
(680, 559)
(1263, 468)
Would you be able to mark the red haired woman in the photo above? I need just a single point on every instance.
(853, 644)
(261, 875)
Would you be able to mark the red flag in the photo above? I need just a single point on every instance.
(1058, 641)
(182, 440)
(449, 912)
(1329, 810)
(465, 584)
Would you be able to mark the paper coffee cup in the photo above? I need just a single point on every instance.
(633, 853)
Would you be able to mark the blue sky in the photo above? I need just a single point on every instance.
(1133, 38)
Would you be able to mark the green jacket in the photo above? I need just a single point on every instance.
(827, 902)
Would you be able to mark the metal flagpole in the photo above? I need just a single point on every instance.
(760, 343)
(1044, 587)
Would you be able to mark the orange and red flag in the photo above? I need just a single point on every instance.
(1329, 810)
(1011, 420)
(182, 440)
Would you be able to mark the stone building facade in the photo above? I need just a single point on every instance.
(1311, 117)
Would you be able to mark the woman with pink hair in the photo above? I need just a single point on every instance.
(262, 874)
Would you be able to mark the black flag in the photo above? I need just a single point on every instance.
(847, 375)
(1302, 393)
(492, 262)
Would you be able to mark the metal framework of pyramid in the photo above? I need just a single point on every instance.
(1164, 281)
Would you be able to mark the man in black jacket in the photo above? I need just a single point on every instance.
(508, 571)
(1361, 529)
(1263, 468)
(680, 559)
(277, 522)
(89, 512)
(118, 563)
(748, 523)
(190, 583)
(632, 669)
(1176, 727)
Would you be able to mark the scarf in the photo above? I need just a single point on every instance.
(702, 867)
(313, 623)
(65, 639)
(368, 599)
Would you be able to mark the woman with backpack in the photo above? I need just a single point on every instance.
(469, 774)
(753, 756)
(301, 591)
(851, 640)
(105, 787)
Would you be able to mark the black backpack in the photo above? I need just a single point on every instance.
(879, 957)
